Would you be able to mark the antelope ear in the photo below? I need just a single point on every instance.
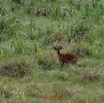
(61, 47)
(54, 47)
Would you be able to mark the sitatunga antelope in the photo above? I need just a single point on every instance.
(66, 57)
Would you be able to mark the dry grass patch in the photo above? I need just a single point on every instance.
(47, 61)
(42, 11)
(33, 90)
(92, 76)
(58, 37)
(15, 69)
(65, 91)
(5, 91)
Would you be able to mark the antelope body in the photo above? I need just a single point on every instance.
(66, 57)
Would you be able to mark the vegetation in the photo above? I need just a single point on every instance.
(29, 68)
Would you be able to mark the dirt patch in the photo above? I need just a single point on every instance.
(16, 69)
(91, 77)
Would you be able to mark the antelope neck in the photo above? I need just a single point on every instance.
(58, 52)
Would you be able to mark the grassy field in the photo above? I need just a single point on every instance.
(29, 67)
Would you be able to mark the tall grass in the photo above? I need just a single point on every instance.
(29, 67)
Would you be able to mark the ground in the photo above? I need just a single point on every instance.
(29, 67)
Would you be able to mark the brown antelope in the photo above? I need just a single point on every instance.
(66, 57)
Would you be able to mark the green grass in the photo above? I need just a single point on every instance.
(29, 67)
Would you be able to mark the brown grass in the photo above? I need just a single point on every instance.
(58, 37)
(63, 91)
(4, 91)
(16, 69)
(91, 77)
